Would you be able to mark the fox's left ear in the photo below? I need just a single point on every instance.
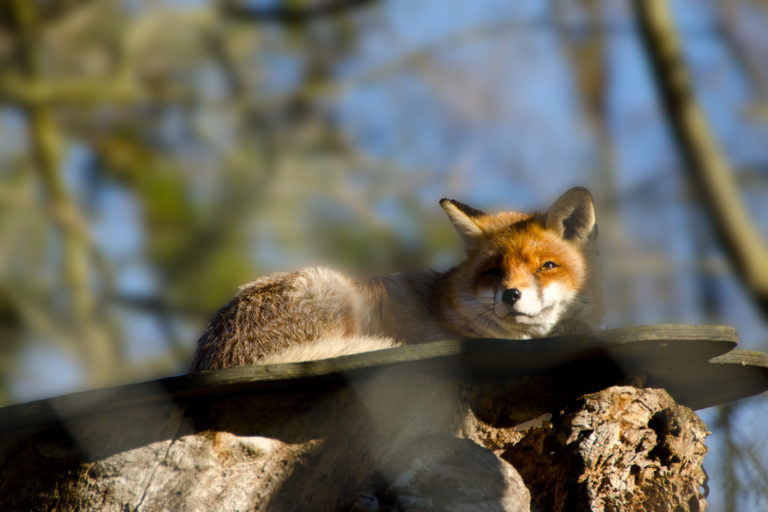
(573, 215)
(465, 220)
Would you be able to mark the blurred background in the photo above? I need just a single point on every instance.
(156, 154)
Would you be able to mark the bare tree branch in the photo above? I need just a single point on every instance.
(743, 55)
(45, 142)
(288, 14)
(704, 161)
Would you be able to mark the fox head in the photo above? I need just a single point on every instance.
(525, 273)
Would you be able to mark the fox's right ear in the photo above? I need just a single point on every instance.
(464, 219)
(573, 215)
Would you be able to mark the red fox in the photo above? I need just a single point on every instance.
(526, 275)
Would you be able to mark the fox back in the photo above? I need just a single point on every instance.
(525, 275)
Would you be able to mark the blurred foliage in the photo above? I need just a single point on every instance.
(206, 121)
(156, 155)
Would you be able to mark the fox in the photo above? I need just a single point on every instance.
(525, 275)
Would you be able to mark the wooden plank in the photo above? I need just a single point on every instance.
(728, 377)
(672, 356)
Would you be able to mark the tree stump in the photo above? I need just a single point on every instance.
(630, 450)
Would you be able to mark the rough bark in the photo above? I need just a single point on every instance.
(622, 449)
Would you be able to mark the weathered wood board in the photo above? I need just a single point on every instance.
(695, 364)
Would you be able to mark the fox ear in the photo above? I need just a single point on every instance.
(573, 215)
(464, 219)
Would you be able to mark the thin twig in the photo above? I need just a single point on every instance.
(290, 15)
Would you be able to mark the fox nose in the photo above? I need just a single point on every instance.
(510, 296)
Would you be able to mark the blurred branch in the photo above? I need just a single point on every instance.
(124, 85)
(742, 53)
(159, 305)
(417, 58)
(72, 224)
(759, 484)
(730, 483)
(753, 176)
(253, 118)
(46, 148)
(289, 14)
(704, 161)
(589, 62)
(744, 471)
(41, 320)
(31, 92)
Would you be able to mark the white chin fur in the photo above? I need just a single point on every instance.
(535, 308)
(533, 315)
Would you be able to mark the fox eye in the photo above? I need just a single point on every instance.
(549, 265)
